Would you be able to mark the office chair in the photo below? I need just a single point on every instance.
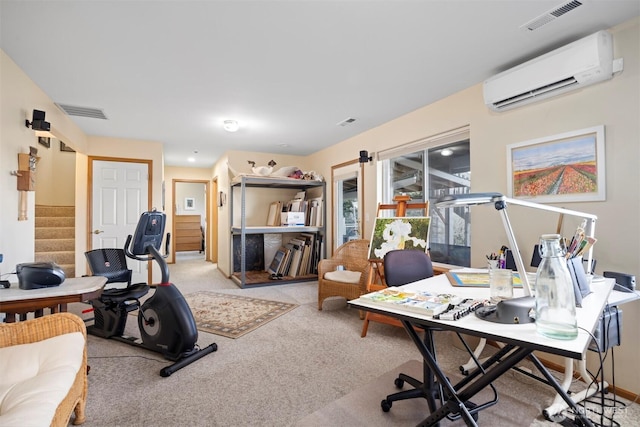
(402, 267)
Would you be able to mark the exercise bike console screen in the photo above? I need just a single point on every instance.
(149, 232)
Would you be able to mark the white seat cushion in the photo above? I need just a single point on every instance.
(36, 377)
(344, 276)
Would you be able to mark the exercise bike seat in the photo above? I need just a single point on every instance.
(119, 295)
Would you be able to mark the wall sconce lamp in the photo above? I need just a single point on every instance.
(365, 157)
(37, 121)
(500, 202)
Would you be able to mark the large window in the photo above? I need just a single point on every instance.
(427, 170)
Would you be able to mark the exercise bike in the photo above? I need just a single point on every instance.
(165, 320)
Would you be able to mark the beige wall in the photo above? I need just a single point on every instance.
(56, 177)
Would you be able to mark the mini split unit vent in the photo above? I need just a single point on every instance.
(576, 65)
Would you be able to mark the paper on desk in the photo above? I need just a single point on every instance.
(470, 270)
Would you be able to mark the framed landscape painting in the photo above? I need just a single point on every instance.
(410, 232)
(568, 167)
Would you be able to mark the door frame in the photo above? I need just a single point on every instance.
(333, 198)
(90, 160)
(207, 202)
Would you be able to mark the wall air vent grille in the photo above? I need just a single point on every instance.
(551, 15)
(92, 113)
(566, 83)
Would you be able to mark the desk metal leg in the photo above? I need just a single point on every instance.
(559, 404)
(453, 404)
(571, 404)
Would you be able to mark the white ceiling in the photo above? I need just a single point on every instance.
(288, 71)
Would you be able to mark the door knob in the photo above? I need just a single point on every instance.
(97, 231)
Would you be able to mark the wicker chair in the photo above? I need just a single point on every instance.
(45, 327)
(350, 283)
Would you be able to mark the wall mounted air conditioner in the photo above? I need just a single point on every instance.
(576, 65)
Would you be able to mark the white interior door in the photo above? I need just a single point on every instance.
(120, 195)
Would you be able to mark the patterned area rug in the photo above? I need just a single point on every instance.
(232, 315)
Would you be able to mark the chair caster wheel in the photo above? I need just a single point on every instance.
(386, 405)
(398, 382)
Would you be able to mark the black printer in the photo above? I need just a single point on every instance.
(36, 275)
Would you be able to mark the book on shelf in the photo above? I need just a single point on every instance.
(309, 261)
(286, 261)
(276, 263)
(296, 259)
(425, 303)
(273, 217)
(314, 212)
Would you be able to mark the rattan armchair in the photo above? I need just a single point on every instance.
(350, 283)
(40, 329)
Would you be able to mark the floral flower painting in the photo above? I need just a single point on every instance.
(567, 167)
(399, 233)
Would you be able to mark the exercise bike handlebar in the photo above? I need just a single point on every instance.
(152, 254)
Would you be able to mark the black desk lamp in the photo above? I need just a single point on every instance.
(515, 310)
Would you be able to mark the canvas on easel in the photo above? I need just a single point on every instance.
(399, 233)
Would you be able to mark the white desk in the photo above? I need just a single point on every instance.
(15, 301)
(520, 342)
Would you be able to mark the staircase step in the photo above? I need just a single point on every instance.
(43, 210)
(55, 221)
(59, 257)
(55, 236)
(55, 232)
(69, 270)
(55, 245)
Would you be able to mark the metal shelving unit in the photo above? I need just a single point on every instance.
(244, 183)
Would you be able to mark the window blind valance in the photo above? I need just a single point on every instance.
(440, 139)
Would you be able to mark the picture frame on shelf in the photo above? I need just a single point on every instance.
(568, 167)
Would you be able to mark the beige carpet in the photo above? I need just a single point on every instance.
(233, 316)
(518, 404)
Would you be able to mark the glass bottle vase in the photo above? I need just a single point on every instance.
(555, 300)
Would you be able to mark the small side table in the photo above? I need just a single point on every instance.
(17, 303)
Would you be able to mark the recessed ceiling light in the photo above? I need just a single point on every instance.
(230, 125)
(191, 159)
(447, 152)
(283, 145)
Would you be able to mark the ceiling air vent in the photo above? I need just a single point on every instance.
(346, 121)
(551, 15)
(74, 110)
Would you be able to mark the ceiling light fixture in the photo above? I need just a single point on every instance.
(447, 152)
(230, 125)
